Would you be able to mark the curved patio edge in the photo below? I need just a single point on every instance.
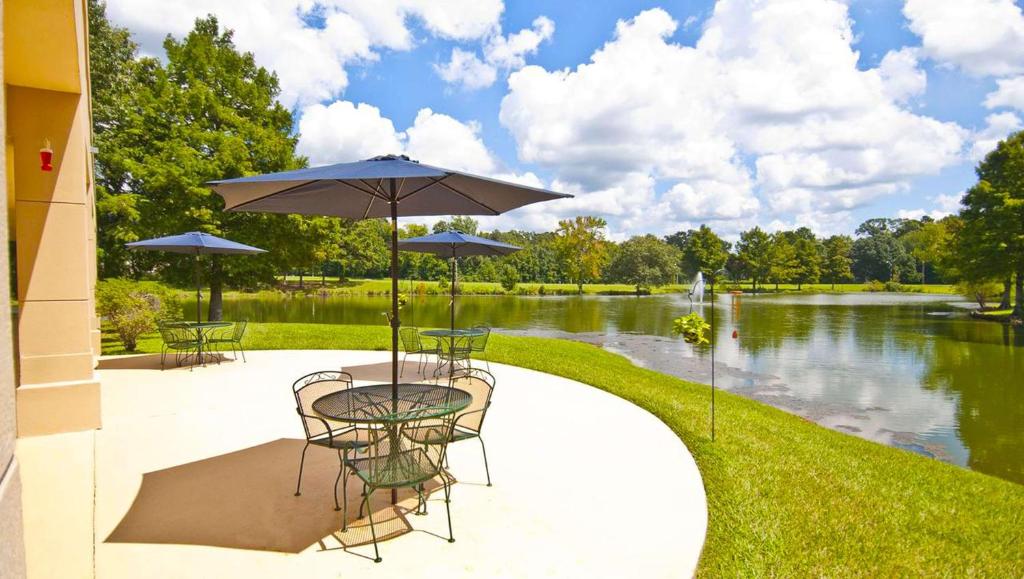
(585, 483)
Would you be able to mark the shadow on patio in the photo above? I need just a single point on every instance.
(244, 500)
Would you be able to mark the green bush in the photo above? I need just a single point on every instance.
(133, 308)
(509, 278)
(980, 291)
(875, 286)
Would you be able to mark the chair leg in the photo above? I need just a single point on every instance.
(341, 469)
(240, 349)
(344, 502)
(402, 371)
(487, 469)
(373, 531)
(448, 509)
(302, 463)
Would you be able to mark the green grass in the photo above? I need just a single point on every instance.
(786, 497)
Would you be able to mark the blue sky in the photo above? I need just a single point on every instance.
(657, 115)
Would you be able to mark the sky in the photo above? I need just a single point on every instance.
(657, 116)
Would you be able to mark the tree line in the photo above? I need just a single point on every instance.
(163, 128)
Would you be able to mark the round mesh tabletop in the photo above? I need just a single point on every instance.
(374, 404)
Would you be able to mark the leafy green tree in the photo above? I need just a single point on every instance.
(113, 75)
(878, 253)
(807, 261)
(992, 237)
(644, 261)
(754, 250)
(927, 244)
(462, 223)
(782, 258)
(835, 265)
(582, 248)
(207, 113)
(365, 248)
(702, 250)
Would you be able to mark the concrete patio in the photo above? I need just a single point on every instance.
(193, 474)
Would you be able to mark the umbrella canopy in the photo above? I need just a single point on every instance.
(195, 243)
(385, 186)
(454, 244)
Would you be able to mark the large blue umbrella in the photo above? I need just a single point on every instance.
(195, 243)
(384, 186)
(455, 244)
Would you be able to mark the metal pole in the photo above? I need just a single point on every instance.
(455, 279)
(199, 296)
(713, 340)
(395, 322)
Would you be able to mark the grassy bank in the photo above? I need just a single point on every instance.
(786, 497)
(383, 286)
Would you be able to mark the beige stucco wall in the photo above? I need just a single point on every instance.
(54, 222)
(12, 546)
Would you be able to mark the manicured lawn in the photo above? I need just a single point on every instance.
(786, 497)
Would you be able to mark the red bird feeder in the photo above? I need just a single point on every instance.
(46, 157)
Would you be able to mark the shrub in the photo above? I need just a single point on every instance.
(133, 308)
(509, 278)
(875, 286)
(893, 286)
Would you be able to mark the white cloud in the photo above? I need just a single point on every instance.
(944, 205)
(345, 131)
(981, 37)
(1010, 93)
(311, 60)
(500, 53)
(997, 127)
(439, 139)
(770, 86)
(466, 69)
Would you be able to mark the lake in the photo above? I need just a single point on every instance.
(908, 370)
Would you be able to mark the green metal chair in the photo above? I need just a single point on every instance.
(470, 422)
(234, 339)
(413, 344)
(452, 351)
(340, 436)
(181, 340)
(395, 461)
(478, 344)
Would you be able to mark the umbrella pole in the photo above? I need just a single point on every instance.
(199, 296)
(713, 340)
(395, 322)
(455, 280)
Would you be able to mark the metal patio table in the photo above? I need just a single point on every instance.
(374, 405)
(451, 336)
(201, 329)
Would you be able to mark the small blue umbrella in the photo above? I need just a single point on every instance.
(195, 243)
(455, 244)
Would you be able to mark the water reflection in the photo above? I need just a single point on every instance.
(911, 371)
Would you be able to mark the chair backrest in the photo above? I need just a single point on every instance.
(171, 334)
(410, 336)
(239, 330)
(312, 386)
(435, 431)
(480, 384)
(479, 343)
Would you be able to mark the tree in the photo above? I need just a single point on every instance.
(991, 240)
(754, 250)
(927, 244)
(782, 258)
(702, 250)
(113, 76)
(644, 261)
(462, 223)
(878, 254)
(807, 261)
(208, 113)
(582, 248)
(835, 266)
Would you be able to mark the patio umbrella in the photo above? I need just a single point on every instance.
(195, 243)
(384, 186)
(455, 244)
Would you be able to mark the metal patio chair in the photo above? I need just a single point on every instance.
(468, 423)
(413, 344)
(394, 461)
(340, 436)
(234, 339)
(478, 344)
(181, 340)
(454, 351)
